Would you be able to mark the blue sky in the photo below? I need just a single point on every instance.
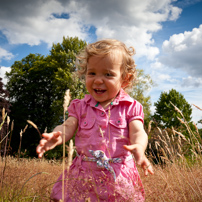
(167, 36)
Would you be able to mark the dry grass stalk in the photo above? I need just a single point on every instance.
(149, 126)
(65, 107)
(177, 109)
(25, 128)
(156, 145)
(12, 126)
(45, 131)
(4, 137)
(3, 113)
(181, 121)
(19, 149)
(159, 130)
(70, 150)
(8, 120)
(35, 126)
(167, 136)
(179, 148)
(180, 135)
(101, 132)
(180, 156)
(3, 120)
(195, 126)
(197, 107)
(173, 131)
(168, 150)
(172, 138)
(163, 141)
(175, 182)
(67, 99)
(21, 133)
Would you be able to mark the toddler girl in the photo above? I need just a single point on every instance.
(109, 127)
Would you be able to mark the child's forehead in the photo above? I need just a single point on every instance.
(113, 57)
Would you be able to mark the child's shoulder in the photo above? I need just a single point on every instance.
(126, 100)
(86, 99)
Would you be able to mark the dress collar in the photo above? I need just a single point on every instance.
(121, 97)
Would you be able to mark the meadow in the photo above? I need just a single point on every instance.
(32, 180)
(176, 159)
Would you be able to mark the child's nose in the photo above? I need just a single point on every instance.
(98, 80)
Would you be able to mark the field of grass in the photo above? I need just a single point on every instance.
(32, 180)
(177, 170)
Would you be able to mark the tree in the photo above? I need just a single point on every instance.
(144, 83)
(165, 114)
(4, 103)
(4, 95)
(37, 85)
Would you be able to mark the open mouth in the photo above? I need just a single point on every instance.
(99, 91)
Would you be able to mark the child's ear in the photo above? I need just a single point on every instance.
(126, 80)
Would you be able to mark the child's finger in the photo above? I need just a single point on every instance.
(47, 135)
(147, 167)
(130, 147)
(137, 154)
(42, 142)
(39, 151)
(150, 170)
(41, 154)
(145, 172)
(57, 134)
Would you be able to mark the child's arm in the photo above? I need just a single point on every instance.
(53, 139)
(139, 140)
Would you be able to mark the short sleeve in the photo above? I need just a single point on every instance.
(135, 112)
(74, 108)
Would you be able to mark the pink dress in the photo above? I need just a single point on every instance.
(116, 177)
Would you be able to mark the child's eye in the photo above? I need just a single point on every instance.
(108, 74)
(90, 73)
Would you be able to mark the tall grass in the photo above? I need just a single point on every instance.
(176, 158)
(179, 164)
(33, 179)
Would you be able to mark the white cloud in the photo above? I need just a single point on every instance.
(31, 22)
(191, 81)
(4, 54)
(183, 51)
(164, 77)
(156, 65)
(3, 70)
(131, 21)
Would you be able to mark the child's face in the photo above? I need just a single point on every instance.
(104, 77)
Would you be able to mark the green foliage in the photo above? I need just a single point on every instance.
(37, 85)
(200, 132)
(144, 83)
(4, 104)
(4, 95)
(165, 114)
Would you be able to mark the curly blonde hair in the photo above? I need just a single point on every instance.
(105, 47)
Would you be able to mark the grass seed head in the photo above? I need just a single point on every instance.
(197, 107)
(177, 109)
(8, 120)
(3, 113)
(67, 99)
(149, 126)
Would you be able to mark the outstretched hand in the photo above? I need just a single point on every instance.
(138, 151)
(48, 142)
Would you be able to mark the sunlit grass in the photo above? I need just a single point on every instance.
(33, 179)
(177, 167)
